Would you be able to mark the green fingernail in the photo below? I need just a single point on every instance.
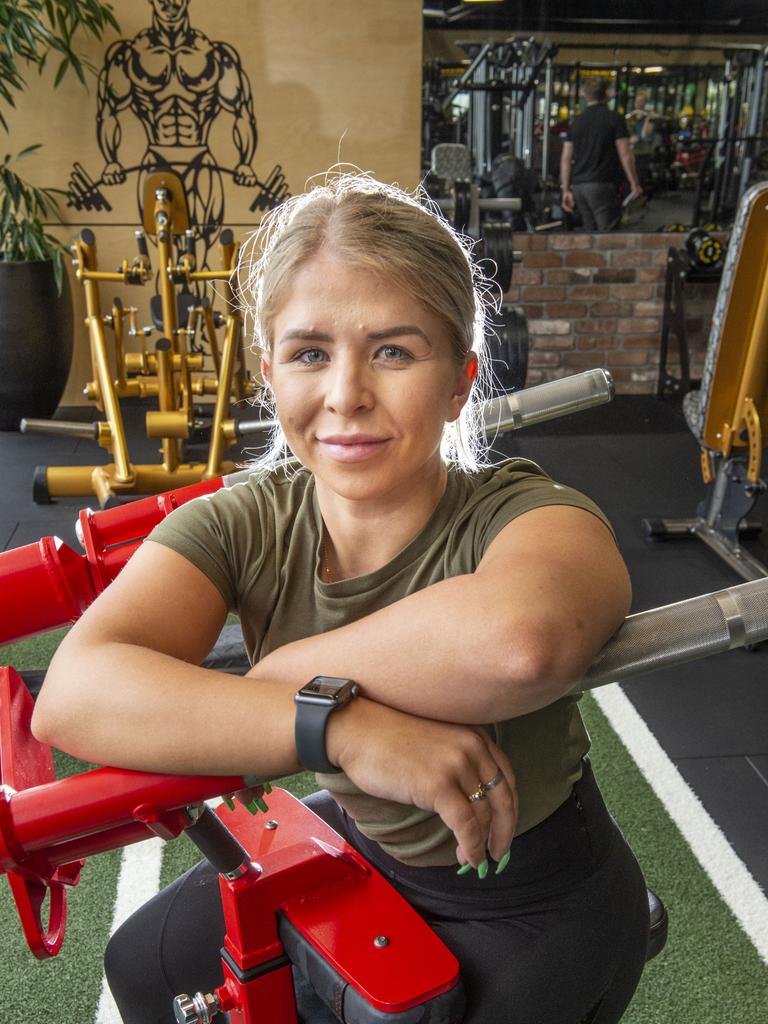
(502, 863)
(229, 802)
(464, 870)
(267, 788)
(482, 869)
(253, 806)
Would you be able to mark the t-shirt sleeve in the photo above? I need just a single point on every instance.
(620, 130)
(519, 487)
(221, 534)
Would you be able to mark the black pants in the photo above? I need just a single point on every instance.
(598, 205)
(559, 937)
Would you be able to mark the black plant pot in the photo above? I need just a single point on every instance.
(35, 341)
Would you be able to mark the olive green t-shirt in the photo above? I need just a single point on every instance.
(259, 543)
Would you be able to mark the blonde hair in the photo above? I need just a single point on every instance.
(400, 235)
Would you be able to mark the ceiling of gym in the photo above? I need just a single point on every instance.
(734, 17)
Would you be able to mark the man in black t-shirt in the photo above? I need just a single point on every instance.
(596, 156)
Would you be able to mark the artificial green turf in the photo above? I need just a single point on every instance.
(34, 653)
(709, 972)
(65, 988)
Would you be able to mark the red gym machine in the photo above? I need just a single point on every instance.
(295, 895)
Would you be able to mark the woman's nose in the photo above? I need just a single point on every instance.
(348, 387)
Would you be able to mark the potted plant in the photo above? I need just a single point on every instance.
(36, 318)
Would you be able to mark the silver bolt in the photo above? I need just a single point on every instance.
(381, 941)
(272, 824)
(200, 1008)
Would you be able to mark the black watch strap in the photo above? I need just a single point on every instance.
(311, 722)
(315, 702)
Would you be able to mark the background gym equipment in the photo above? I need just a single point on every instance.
(482, 218)
(172, 373)
(514, 100)
(699, 261)
(728, 413)
(465, 207)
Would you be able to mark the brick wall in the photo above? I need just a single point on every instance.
(597, 300)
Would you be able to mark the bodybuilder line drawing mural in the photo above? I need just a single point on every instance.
(176, 82)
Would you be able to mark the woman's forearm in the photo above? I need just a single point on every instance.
(162, 714)
(157, 713)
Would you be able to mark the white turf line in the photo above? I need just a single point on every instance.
(727, 872)
(139, 881)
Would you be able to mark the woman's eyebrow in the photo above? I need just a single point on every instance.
(299, 334)
(399, 331)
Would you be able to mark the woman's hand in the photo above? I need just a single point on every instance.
(432, 765)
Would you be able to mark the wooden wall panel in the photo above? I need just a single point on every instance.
(339, 82)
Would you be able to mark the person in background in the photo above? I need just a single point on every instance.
(640, 122)
(596, 158)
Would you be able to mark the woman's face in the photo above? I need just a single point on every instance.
(364, 381)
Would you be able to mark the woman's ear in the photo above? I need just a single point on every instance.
(464, 381)
(266, 370)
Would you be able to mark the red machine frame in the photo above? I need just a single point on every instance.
(290, 885)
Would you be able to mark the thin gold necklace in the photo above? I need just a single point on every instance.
(325, 570)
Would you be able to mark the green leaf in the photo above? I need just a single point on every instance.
(61, 72)
(28, 150)
(78, 66)
(12, 184)
(58, 271)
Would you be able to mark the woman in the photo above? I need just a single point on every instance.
(464, 600)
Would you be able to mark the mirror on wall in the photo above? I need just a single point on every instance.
(496, 114)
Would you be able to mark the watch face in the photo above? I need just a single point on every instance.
(328, 689)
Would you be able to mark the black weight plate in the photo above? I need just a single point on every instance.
(497, 249)
(506, 262)
(462, 191)
(507, 340)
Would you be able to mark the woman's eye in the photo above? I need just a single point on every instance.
(310, 356)
(393, 353)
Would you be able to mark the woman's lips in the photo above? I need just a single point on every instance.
(354, 448)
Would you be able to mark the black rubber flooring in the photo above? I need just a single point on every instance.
(636, 458)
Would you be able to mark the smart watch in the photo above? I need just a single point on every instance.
(315, 701)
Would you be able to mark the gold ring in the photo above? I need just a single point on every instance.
(483, 788)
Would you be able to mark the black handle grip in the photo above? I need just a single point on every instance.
(217, 844)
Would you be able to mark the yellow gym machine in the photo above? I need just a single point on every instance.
(172, 373)
(729, 413)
